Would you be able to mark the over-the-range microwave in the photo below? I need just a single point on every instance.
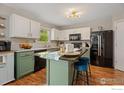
(75, 37)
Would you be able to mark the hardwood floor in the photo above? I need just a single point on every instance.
(106, 76)
(37, 78)
(99, 76)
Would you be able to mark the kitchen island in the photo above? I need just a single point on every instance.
(59, 70)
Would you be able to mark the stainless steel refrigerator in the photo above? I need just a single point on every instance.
(102, 48)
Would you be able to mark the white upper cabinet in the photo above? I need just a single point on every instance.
(64, 34)
(35, 29)
(59, 35)
(19, 26)
(54, 34)
(23, 27)
(85, 33)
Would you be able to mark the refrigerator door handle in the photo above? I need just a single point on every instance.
(98, 44)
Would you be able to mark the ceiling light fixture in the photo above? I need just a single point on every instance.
(73, 13)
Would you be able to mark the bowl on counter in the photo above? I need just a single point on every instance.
(25, 45)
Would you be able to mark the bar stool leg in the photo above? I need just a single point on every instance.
(77, 76)
(83, 77)
(87, 77)
(89, 70)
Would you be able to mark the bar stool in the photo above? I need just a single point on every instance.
(81, 66)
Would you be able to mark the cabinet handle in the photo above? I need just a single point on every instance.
(26, 55)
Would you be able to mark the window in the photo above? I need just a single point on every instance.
(44, 35)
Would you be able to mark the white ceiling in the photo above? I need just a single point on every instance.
(54, 13)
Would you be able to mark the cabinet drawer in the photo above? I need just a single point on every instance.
(24, 54)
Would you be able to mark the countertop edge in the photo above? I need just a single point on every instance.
(6, 52)
(35, 49)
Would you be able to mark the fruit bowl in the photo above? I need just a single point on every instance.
(25, 45)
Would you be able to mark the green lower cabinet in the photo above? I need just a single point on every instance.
(24, 63)
(59, 72)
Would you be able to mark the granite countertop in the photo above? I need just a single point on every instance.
(49, 55)
(56, 56)
(73, 58)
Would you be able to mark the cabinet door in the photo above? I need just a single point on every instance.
(85, 34)
(20, 26)
(35, 29)
(54, 34)
(63, 35)
(58, 74)
(3, 74)
(66, 35)
(24, 63)
(52, 37)
(10, 67)
(26, 66)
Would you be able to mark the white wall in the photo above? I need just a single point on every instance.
(115, 18)
(118, 16)
(106, 23)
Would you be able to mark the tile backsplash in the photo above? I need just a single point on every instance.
(35, 43)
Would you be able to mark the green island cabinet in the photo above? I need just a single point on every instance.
(24, 63)
(59, 72)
